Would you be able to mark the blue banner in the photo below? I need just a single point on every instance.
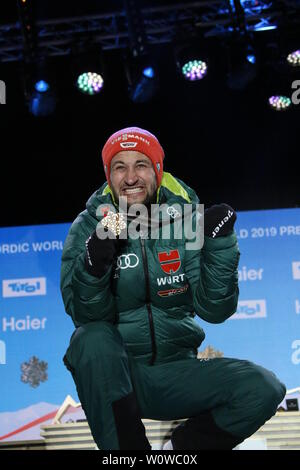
(266, 326)
(35, 330)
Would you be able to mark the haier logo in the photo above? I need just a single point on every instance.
(250, 309)
(24, 287)
(296, 269)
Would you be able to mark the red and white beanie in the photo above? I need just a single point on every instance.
(134, 138)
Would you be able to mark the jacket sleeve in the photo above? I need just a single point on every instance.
(86, 298)
(213, 277)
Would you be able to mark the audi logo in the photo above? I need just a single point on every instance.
(172, 212)
(127, 261)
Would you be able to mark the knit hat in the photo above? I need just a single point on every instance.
(139, 140)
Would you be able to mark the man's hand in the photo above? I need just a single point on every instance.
(219, 220)
(100, 254)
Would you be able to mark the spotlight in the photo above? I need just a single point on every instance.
(40, 89)
(42, 103)
(279, 102)
(264, 27)
(149, 72)
(190, 62)
(294, 58)
(144, 87)
(90, 83)
(242, 65)
(251, 58)
(142, 78)
(194, 70)
(42, 86)
(88, 66)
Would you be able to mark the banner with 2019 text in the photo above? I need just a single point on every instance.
(35, 330)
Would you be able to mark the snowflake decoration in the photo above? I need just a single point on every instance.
(34, 372)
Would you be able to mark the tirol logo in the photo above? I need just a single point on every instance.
(24, 287)
(126, 145)
(250, 309)
(169, 262)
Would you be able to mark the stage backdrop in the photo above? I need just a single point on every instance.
(35, 331)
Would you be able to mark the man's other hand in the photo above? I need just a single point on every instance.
(219, 220)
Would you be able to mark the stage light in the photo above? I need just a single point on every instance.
(144, 87)
(263, 27)
(42, 86)
(194, 70)
(191, 58)
(242, 63)
(142, 77)
(42, 104)
(294, 58)
(149, 72)
(88, 68)
(251, 58)
(279, 102)
(90, 83)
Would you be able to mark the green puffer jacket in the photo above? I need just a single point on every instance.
(153, 294)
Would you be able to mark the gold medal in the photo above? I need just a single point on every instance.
(114, 222)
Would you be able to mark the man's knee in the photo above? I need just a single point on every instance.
(255, 395)
(259, 391)
(94, 340)
(269, 390)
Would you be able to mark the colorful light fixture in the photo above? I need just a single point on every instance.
(279, 102)
(294, 58)
(90, 83)
(194, 70)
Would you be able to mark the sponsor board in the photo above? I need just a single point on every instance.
(250, 274)
(23, 324)
(250, 309)
(36, 247)
(2, 352)
(24, 287)
(296, 270)
(296, 354)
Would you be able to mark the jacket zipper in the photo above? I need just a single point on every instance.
(148, 301)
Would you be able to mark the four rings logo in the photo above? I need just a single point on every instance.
(172, 212)
(127, 261)
(24, 287)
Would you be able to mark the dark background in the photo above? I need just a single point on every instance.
(226, 144)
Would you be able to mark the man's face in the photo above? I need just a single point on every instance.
(132, 176)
